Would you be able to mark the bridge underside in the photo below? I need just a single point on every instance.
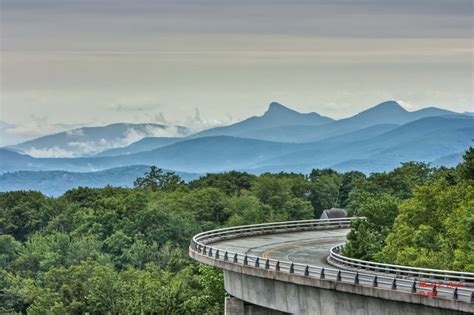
(278, 297)
(235, 306)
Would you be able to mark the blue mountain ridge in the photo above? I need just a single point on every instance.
(363, 142)
(55, 183)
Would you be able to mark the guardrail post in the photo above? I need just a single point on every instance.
(413, 287)
(339, 278)
(306, 270)
(472, 296)
(394, 284)
(321, 274)
(210, 251)
(199, 249)
(277, 266)
(292, 268)
(455, 294)
(257, 263)
(217, 254)
(267, 264)
(235, 258)
(226, 256)
(356, 278)
(204, 250)
(374, 282)
(246, 262)
(434, 292)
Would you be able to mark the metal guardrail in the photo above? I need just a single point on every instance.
(336, 259)
(200, 244)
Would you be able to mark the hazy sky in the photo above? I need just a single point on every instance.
(101, 61)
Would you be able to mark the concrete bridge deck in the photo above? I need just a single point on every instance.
(309, 247)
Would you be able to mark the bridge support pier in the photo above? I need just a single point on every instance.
(235, 306)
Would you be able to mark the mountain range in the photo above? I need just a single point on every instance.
(385, 113)
(282, 139)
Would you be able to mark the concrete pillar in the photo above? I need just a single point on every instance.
(235, 306)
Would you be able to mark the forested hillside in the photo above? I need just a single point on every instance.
(124, 251)
(424, 218)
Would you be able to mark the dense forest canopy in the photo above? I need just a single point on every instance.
(117, 250)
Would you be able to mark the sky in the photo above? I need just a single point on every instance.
(68, 63)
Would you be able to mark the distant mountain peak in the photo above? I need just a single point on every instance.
(277, 108)
(389, 105)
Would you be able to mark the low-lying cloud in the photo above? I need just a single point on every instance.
(83, 145)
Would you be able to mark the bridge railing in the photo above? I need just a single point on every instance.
(445, 276)
(201, 245)
(271, 228)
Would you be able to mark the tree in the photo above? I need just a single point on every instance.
(231, 183)
(297, 209)
(400, 181)
(466, 168)
(350, 181)
(271, 190)
(9, 250)
(24, 213)
(324, 190)
(211, 281)
(435, 228)
(247, 210)
(363, 242)
(155, 180)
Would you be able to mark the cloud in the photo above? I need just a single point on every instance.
(87, 147)
(82, 148)
(160, 118)
(195, 123)
(134, 107)
(132, 135)
(54, 152)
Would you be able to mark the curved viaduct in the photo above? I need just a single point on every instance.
(297, 268)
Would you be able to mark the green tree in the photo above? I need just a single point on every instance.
(350, 181)
(211, 281)
(10, 249)
(271, 190)
(155, 180)
(435, 228)
(231, 183)
(324, 190)
(24, 213)
(466, 168)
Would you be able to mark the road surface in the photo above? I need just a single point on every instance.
(310, 247)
